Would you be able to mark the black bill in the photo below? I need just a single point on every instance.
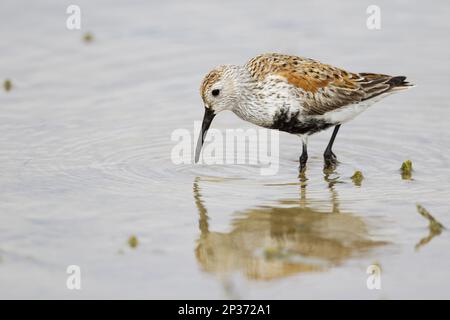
(207, 119)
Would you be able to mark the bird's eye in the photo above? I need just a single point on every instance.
(215, 92)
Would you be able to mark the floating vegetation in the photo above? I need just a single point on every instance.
(275, 253)
(88, 37)
(357, 178)
(133, 242)
(7, 85)
(406, 170)
(434, 226)
(377, 264)
(270, 252)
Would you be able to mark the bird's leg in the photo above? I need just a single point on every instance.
(328, 155)
(304, 156)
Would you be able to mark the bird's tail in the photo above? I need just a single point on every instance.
(375, 84)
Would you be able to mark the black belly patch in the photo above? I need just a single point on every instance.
(288, 122)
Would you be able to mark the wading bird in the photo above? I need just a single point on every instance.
(293, 94)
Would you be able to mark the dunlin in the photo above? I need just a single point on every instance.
(293, 94)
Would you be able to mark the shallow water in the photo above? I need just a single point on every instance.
(85, 156)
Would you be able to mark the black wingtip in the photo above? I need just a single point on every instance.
(399, 81)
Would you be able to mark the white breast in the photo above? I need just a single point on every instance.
(266, 100)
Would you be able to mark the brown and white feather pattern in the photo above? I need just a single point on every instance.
(321, 87)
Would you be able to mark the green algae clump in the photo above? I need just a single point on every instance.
(406, 169)
(274, 253)
(133, 241)
(88, 37)
(7, 85)
(357, 178)
(434, 225)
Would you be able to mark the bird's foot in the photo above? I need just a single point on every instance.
(330, 159)
(303, 178)
(303, 159)
(302, 168)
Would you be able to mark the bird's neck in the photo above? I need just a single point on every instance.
(250, 105)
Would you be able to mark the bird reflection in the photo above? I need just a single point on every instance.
(272, 242)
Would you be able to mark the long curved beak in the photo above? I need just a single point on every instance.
(207, 119)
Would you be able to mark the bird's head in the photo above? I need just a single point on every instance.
(219, 92)
(218, 89)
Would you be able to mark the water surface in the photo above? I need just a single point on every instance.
(85, 145)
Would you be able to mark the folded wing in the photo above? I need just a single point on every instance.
(323, 87)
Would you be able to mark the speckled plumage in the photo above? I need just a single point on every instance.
(298, 95)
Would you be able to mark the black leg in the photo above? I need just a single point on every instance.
(303, 157)
(328, 155)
